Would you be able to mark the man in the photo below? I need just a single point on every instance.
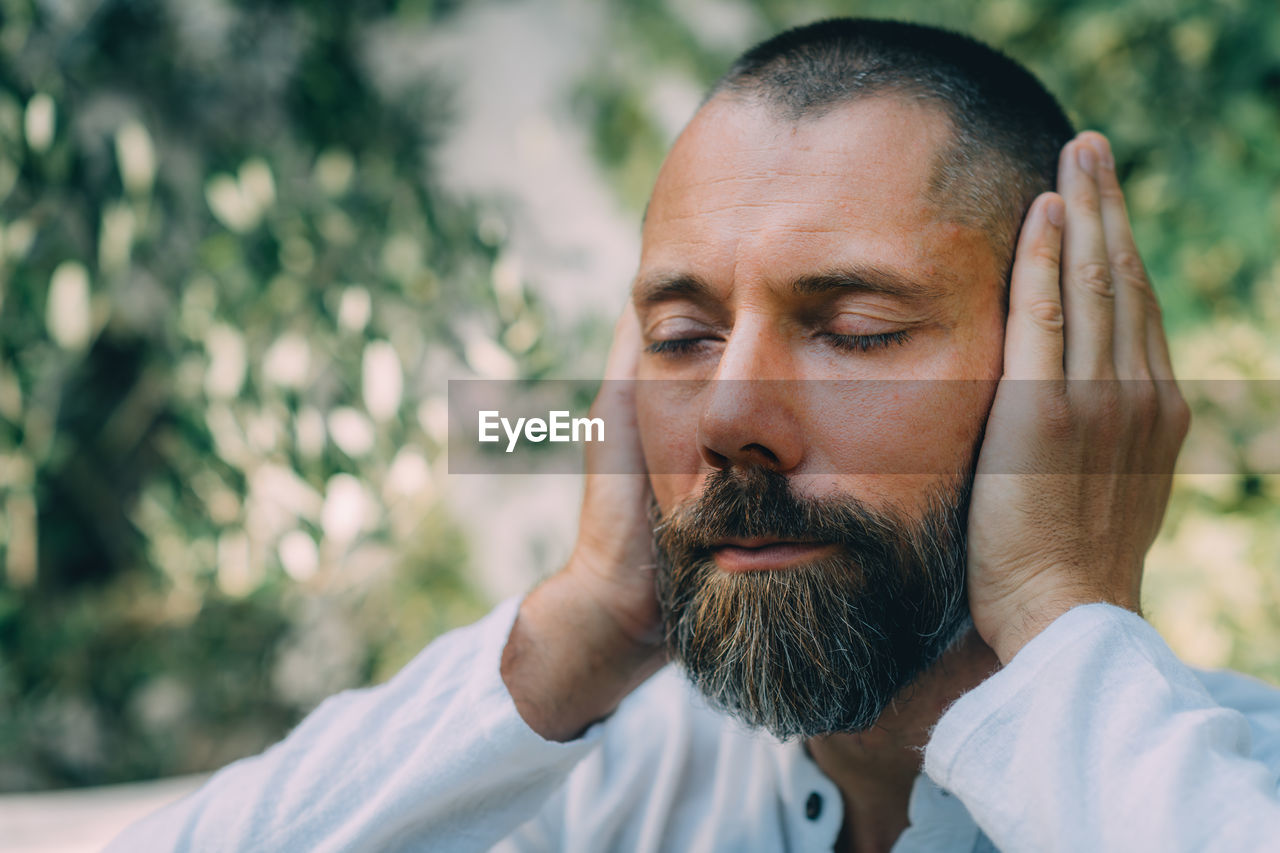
(911, 438)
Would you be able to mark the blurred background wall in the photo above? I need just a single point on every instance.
(244, 245)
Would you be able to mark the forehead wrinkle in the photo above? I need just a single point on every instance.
(759, 190)
(730, 210)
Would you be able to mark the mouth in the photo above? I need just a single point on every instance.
(764, 554)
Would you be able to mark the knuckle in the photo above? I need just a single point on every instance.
(1143, 388)
(1152, 305)
(1179, 415)
(1143, 397)
(1110, 191)
(1095, 277)
(1089, 203)
(1104, 400)
(1128, 266)
(1057, 414)
(1046, 314)
(1047, 255)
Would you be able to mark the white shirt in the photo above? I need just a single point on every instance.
(1094, 738)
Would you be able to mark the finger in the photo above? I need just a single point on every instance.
(1033, 343)
(615, 403)
(624, 354)
(1157, 346)
(1129, 278)
(1088, 301)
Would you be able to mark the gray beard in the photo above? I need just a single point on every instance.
(823, 647)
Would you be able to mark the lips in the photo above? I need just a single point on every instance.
(764, 554)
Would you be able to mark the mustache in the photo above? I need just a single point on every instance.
(758, 502)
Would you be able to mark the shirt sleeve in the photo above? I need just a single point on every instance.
(438, 758)
(1096, 737)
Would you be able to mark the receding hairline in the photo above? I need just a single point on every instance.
(1006, 127)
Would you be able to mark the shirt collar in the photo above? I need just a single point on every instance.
(938, 821)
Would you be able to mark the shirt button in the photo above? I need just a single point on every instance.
(813, 806)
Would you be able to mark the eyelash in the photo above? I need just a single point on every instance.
(679, 346)
(852, 343)
(863, 343)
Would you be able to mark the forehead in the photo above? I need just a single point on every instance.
(744, 185)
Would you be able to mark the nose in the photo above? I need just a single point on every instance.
(750, 412)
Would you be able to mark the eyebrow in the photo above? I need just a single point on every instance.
(663, 287)
(858, 278)
(867, 278)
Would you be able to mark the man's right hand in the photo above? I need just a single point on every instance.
(591, 633)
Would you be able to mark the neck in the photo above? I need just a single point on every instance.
(876, 769)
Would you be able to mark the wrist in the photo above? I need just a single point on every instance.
(568, 663)
(624, 597)
(1026, 621)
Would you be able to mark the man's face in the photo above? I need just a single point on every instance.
(773, 252)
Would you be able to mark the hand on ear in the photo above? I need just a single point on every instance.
(1077, 459)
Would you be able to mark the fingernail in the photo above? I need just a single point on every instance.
(1084, 156)
(1054, 210)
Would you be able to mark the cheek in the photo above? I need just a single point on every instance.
(909, 426)
(894, 443)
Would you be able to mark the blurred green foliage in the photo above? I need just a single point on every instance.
(230, 293)
(1189, 93)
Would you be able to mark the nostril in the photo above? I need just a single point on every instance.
(715, 460)
(760, 450)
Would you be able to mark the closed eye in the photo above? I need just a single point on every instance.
(676, 347)
(850, 343)
(865, 343)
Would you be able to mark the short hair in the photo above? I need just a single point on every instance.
(1007, 128)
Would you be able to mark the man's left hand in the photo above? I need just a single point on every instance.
(1076, 463)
